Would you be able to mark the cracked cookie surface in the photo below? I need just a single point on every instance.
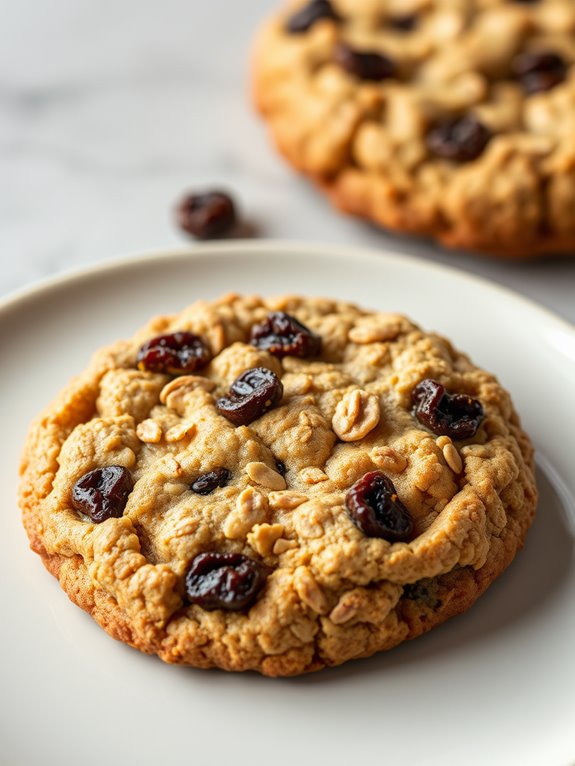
(235, 546)
(453, 119)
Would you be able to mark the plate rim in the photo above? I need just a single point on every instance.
(272, 248)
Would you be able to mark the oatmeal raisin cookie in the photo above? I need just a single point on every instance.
(277, 484)
(453, 119)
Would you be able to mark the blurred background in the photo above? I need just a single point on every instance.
(111, 110)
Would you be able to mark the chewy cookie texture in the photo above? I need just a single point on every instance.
(453, 119)
(277, 484)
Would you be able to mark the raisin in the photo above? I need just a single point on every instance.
(282, 335)
(538, 72)
(208, 215)
(307, 16)
(455, 415)
(403, 23)
(103, 493)
(176, 354)
(224, 581)
(251, 394)
(424, 591)
(375, 508)
(366, 65)
(207, 482)
(461, 139)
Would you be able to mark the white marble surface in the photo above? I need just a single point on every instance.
(109, 110)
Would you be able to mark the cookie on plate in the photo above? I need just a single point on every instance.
(277, 484)
(453, 119)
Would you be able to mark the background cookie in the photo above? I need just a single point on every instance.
(449, 118)
(193, 492)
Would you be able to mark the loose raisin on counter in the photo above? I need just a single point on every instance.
(228, 581)
(208, 215)
(304, 19)
(179, 353)
(461, 139)
(103, 493)
(376, 509)
(455, 415)
(252, 394)
(283, 335)
(211, 480)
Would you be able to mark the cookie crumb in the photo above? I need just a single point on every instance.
(251, 509)
(282, 545)
(286, 501)
(345, 609)
(356, 415)
(313, 475)
(378, 329)
(453, 458)
(149, 431)
(183, 384)
(263, 538)
(309, 591)
(266, 476)
(181, 431)
(388, 459)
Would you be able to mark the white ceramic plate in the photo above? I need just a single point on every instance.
(494, 686)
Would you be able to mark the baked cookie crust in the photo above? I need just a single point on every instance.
(362, 131)
(331, 592)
